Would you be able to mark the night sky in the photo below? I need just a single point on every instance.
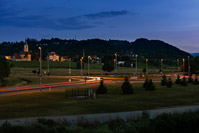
(173, 21)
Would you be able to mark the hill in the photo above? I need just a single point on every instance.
(144, 48)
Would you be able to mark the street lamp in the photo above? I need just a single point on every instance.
(116, 67)
(81, 65)
(183, 65)
(178, 64)
(136, 66)
(147, 66)
(88, 64)
(161, 64)
(40, 74)
(69, 70)
(189, 65)
(48, 65)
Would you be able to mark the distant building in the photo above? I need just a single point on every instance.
(64, 58)
(8, 57)
(23, 55)
(53, 56)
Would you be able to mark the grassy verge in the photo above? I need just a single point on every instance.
(31, 80)
(56, 103)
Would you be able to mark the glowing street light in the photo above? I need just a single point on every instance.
(136, 66)
(189, 67)
(183, 65)
(88, 64)
(69, 69)
(161, 65)
(147, 66)
(178, 64)
(40, 74)
(81, 65)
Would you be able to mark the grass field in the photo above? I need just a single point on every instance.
(56, 103)
(31, 80)
(61, 68)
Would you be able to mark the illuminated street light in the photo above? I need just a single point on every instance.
(161, 65)
(183, 65)
(178, 64)
(88, 64)
(189, 67)
(147, 66)
(40, 74)
(136, 66)
(81, 65)
(69, 69)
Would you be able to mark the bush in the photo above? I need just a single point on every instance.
(178, 80)
(195, 82)
(164, 80)
(127, 87)
(190, 79)
(102, 88)
(148, 85)
(169, 83)
(184, 82)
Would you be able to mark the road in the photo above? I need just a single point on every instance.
(60, 85)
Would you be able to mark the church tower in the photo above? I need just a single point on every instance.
(26, 47)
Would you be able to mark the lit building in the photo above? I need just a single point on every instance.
(23, 55)
(53, 56)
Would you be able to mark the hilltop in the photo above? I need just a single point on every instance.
(143, 47)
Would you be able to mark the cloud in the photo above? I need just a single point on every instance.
(12, 18)
(102, 15)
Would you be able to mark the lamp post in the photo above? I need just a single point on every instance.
(81, 65)
(88, 64)
(136, 66)
(48, 65)
(116, 67)
(161, 64)
(40, 74)
(189, 66)
(147, 66)
(183, 65)
(69, 70)
(178, 64)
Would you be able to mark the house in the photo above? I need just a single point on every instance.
(23, 55)
(53, 56)
(64, 58)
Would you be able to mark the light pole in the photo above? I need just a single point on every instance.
(48, 65)
(69, 70)
(81, 65)
(136, 66)
(178, 64)
(189, 66)
(147, 66)
(40, 74)
(88, 64)
(161, 64)
(183, 64)
(116, 67)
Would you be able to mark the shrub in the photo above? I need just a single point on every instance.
(102, 88)
(190, 79)
(169, 83)
(148, 85)
(184, 82)
(195, 82)
(178, 80)
(164, 80)
(127, 87)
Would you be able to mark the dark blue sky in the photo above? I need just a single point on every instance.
(173, 21)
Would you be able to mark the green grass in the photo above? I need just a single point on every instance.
(32, 80)
(56, 103)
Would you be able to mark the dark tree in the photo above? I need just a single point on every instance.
(169, 83)
(196, 81)
(102, 88)
(4, 67)
(34, 72)
(184, 82)
(190, 79)
(164, 80)
(148, 85)
(178, 80)
(127, 87)
(108, 67)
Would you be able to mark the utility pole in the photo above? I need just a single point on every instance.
(161, 65)
(183, 65)
(81, 65)
(189, 67)
(147, 66)
(69, 70)
(88, 64)
(178, 64)
(136, 66)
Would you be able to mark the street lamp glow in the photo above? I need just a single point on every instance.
(183, 65)
(161, 64)
(147, 66)
(40, 74)
(88, 64)
(136, 63)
